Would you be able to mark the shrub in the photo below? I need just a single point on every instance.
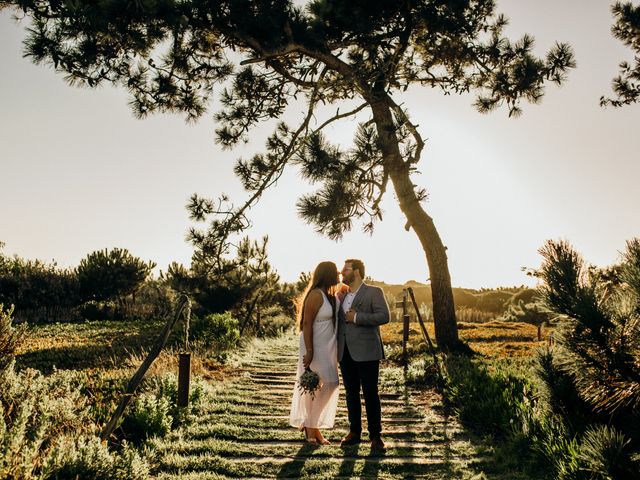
(148, 417)
(488, 401)
(93, 310)
(35, 411)
(422, 373)
(88, 457)
(218, 332)
(10, 337)
(274, 321)
(599, 332)
(606, 453)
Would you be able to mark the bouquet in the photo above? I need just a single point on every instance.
(309, 382)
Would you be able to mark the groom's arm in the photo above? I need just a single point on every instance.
(379, 314)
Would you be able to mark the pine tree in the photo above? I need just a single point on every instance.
(626, 28)
(593, 373)
(354, 56)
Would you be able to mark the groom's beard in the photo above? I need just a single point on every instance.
(348, 279)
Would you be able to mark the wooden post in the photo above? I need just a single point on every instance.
(405, 326)
(184, 375)
(425, 333)
(405, 338)
(142, 370)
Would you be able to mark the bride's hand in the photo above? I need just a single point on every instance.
(308, 357)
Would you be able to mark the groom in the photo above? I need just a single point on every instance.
(363, 309)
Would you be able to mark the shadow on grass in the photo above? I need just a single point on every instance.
(293, 468)
(350, 457)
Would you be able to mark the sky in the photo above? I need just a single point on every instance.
(79, 173)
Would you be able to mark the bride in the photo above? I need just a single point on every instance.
(318, 350)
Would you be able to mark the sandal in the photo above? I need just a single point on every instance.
(309, 440)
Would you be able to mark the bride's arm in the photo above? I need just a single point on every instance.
(310, 309)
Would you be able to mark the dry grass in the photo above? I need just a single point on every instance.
(118, 347)
(495, 339)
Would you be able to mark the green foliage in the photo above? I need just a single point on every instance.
(218, 332)
(533, 313)
(36, 411)
(600, 330)
(45, 293)
(583, 423)
(489, 401)
(148, 417)
(10, 337)
(39, 291)
(100, 311)
(275, 322)
(245, 285)
(493, 301)
(114, 274)
(88, 457)
(422, 373)
(606, 455)
(626, 28)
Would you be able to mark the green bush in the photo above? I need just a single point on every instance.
(35, 411)
(88, 457)
(488, 401)
(98, 311)
(275, 325)
(148, 417)
(217, 332)
(10, 337)
(422, 373)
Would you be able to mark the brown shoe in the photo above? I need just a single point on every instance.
(378, 444)
(350, 439)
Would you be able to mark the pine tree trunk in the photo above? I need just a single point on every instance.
(444, 314)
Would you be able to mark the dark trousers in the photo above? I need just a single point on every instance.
(365, 374)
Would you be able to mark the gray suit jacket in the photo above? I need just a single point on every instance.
(363, 338)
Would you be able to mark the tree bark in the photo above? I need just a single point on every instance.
(444, 314)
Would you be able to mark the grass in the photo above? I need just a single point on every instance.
(493, 339)
(241, 429)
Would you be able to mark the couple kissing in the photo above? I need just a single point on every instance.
(340, 326)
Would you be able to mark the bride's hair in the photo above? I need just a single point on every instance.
(325, 277)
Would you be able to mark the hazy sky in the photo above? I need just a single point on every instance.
(80, 173)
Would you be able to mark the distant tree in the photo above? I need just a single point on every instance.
(533, 313)
(244, 284)
(344, 59)
(303, 281)
(111, 274)
(626, 28)
(39, 291)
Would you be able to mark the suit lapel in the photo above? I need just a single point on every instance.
(359, 296)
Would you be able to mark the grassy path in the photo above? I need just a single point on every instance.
(245, 434)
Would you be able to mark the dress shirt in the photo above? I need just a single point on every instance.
(348, 300)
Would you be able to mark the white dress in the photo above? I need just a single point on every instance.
(319, 412)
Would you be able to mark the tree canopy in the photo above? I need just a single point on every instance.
(352, 55)
(626, 86)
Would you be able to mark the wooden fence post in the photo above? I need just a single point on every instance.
(405, 326)
(142, 370)
(425, 333)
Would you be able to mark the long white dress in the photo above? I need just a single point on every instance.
(319, 412)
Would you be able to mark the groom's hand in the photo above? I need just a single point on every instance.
(351, 315)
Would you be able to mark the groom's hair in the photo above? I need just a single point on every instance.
(356, 265)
